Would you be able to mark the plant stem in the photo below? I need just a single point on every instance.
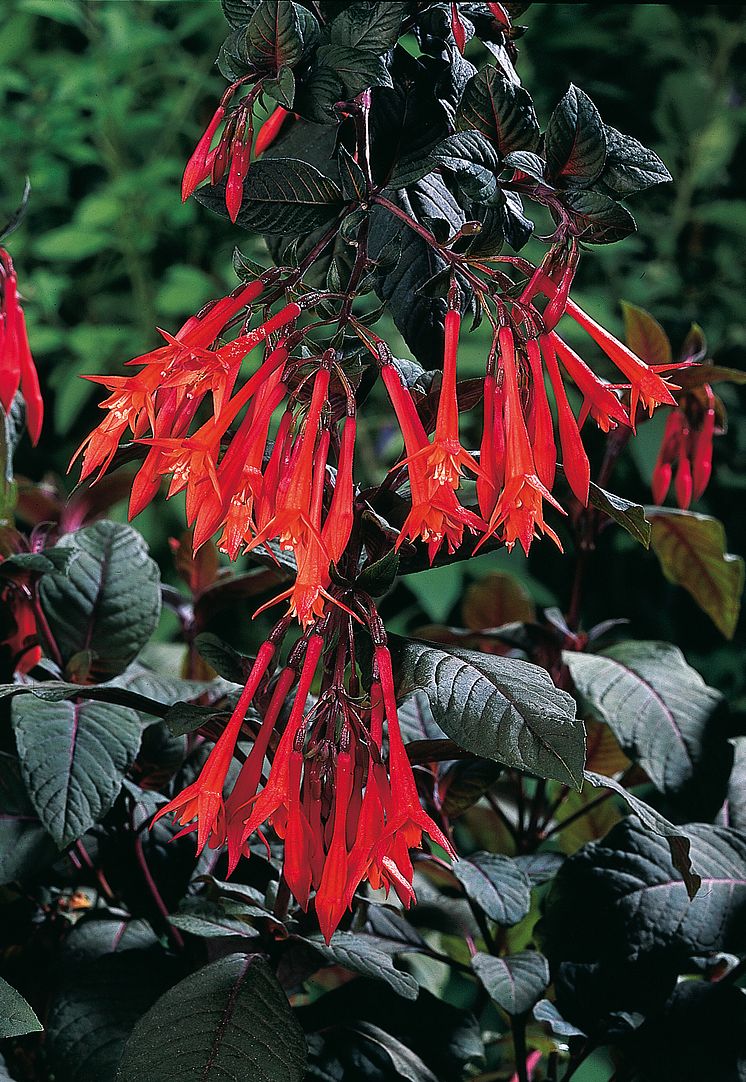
(518, 1027)
(85, 858)
(579, 813)
(173, 933)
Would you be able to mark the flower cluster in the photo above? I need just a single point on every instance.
(345, 804)
(516, 470)
(233, 151)
(685, 455)
(17, 369)
(265, 457)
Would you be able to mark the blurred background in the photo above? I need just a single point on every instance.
(103, 101)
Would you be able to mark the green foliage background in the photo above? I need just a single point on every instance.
(103, 101)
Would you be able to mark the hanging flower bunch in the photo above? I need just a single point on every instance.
(251, 408)
(253, 456)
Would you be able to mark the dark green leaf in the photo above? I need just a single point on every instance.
(596, 218)
(281, 89)
(239, 12)
(691, 549)
(378, 577)
(500, 110)
(279, 34)
(545, 1011)
(575, 140)
(496, 884)
(58, 691)
(419, 319)
(211, 920)
(542, 866)
(464, 784)
(690, 378)
(527, 162)
(73, 758)
(281, 196)
(498, 708)
(405, 1062)
(108, 602)
(16, 1016)
(94, 1009)
(25, 847)
(358, 69)
(352, 176)
(629, 515)
(98, 934)
(226, 661)
(38, 563)
(630, 167)
(183, 718)
(516, 981)
(473, 162)
(660, 710)
(228, 1021)
(14, 421)
(315, 98)
(630, 879)
(695, 1008)
(373, 26)
(366, 955)
(678, 842)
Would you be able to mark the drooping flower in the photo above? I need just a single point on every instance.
(444, 458)
(17, 368)
(685, 454)
(198, 167)
(436, 516)
(518, 514)
(270, 130)
(203, 799)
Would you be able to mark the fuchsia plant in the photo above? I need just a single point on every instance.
(342, 769)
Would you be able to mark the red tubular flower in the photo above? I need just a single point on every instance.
(519, 510)
(488, 481)
(331, 897)
(203, 799)
(574, 459)
(240, 158)
(598, 398)
(300, 840)
(17, 369)
(408, 819)
(275, 796)
(702, 450)
(270, 129)
(445, 457)
(539, 422)
(685, 454)
(147, 394)
(243, 794)
(647, 387)
(435, 517)
(683, 481)
(338, 525)
(197, 168)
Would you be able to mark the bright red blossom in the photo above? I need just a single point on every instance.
(17, 369)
